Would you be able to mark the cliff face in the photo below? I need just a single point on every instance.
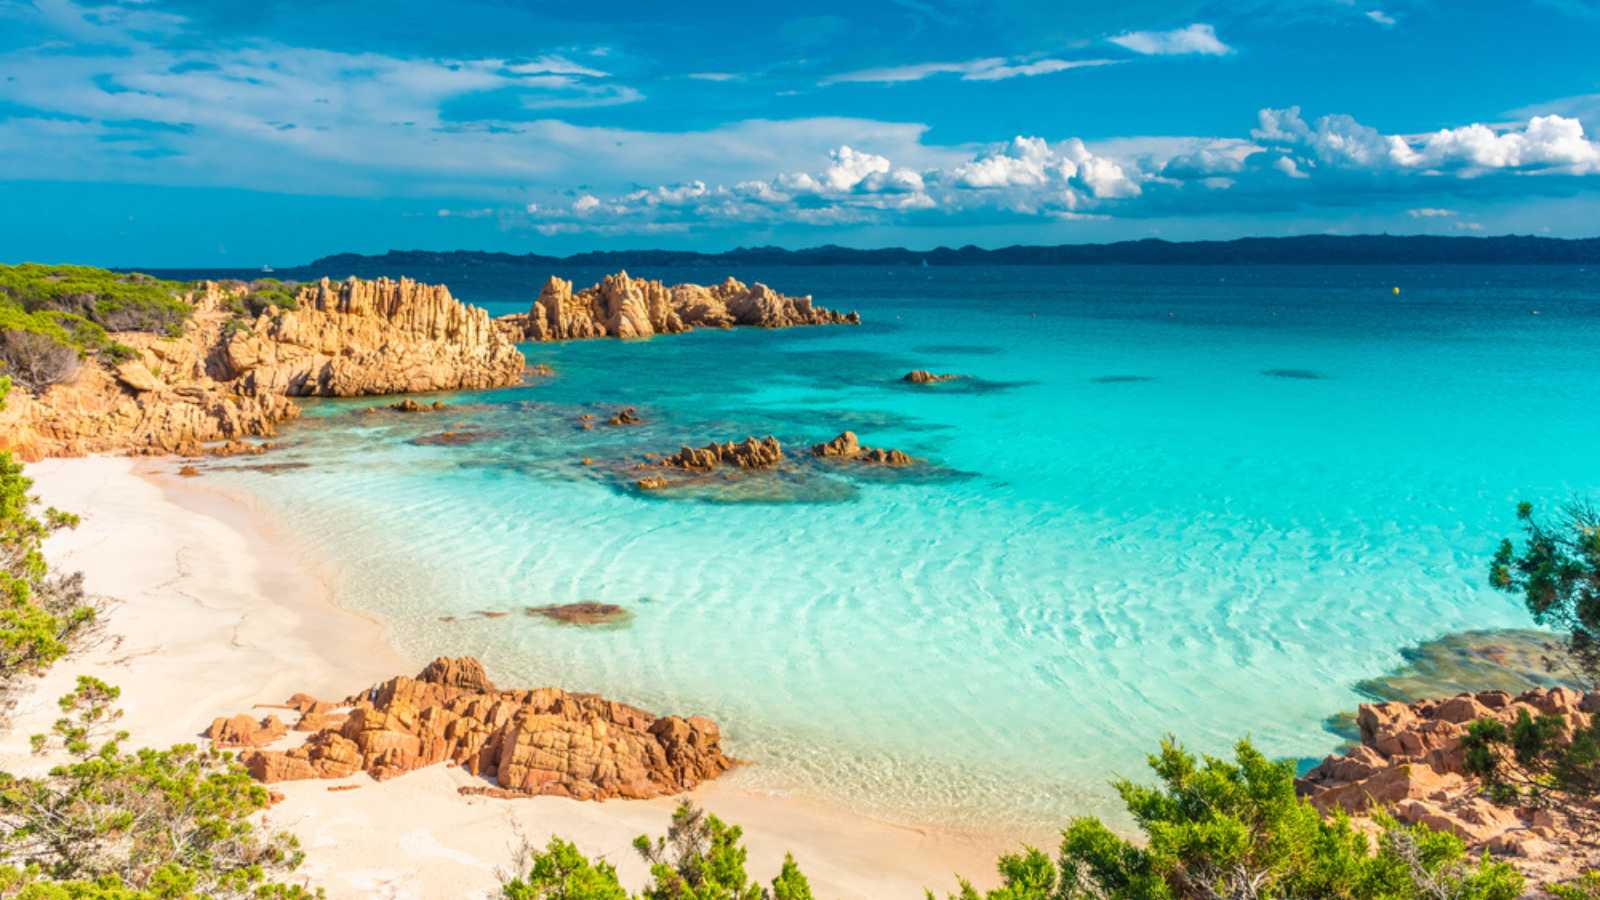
(227, 377)
(624, 307)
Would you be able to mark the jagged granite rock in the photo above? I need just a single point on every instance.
(750, 453)
(849, 447)
(531, 742)
(227, 378)
(624, 307)
(1412, 763)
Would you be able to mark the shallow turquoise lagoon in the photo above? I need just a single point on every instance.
(1194, 500)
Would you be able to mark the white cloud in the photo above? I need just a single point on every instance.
(1430, 212)
(987, 69)
(714, 76)
(1381, 17)
(1545, 144)
(1197, 38)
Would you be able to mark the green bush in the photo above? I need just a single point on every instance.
(259, 296)
(40, 614)
(39, 349)
(1237, 829)
(699, 858)
(115, 301)
(1558, 575)
(116, 824)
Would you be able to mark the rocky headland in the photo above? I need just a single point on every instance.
(544, 741)
(624, 307)
(224, 375)
(1411, 762)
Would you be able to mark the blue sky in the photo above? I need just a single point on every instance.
(242, 133)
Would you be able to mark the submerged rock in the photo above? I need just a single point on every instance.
(584, 612)
(923, 376)
(530, 742)
(409, 405)
(454, 437)
(623, 307)
(1513, 660)
(848, 447)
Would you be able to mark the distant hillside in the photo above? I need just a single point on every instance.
(1307, 250)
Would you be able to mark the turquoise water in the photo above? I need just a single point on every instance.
(1203, 501)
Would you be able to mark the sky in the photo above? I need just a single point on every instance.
(224, 133)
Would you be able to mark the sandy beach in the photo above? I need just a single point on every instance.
(215, 608)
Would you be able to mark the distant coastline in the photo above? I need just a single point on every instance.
(1378, 249)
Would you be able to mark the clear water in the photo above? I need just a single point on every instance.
(1131, 528)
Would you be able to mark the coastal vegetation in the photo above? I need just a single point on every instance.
(110, 824)
(1211, 829)
(41, 615)
(1545, 761)
(52, 318)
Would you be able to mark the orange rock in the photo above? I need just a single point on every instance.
(624, 307)
(544, 741)
(243, 731)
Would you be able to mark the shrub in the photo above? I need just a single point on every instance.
(40, 615)
(113, 300)
(110, 823)
(699, 858)
(1558, 575)
(1237, 829)
(36, 360)
(1532, 763)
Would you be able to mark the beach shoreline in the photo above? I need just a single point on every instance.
(217, 608)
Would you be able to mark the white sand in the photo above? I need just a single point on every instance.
(216, 612)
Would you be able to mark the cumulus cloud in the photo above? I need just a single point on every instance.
(1381, 17)
(988, 69)
(1548, 144)
(1197, 38)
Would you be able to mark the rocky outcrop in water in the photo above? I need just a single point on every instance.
(923, 376)
(750, 453)
(531, 742)
(624, 307)
(1411, 762)
(849, 448)
(227, 377)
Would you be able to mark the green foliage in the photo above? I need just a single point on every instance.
(560, 872)
(145, 824)
(699, 858)
(40, 615)
(1237, 829)
(259, 296)
(1531, 763)
(1558, 575)
(114, 301)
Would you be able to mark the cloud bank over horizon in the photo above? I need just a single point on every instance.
(578, 138)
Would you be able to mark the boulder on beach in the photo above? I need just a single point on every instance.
(544, 741)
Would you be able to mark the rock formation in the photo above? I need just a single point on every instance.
(848, 447)
(625, 416)
(624, 307)
(923, 376)
(751, 453)
(1410, 761)
(531, 742)
(226, 377)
